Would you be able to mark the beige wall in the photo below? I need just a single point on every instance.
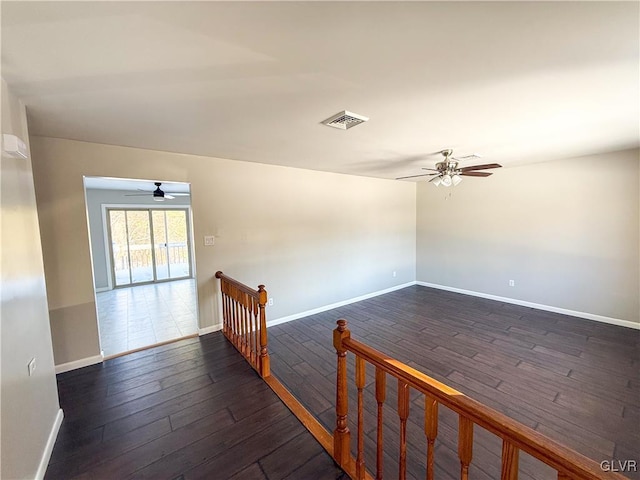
(29, 404)
(566, 231)
(313, 238)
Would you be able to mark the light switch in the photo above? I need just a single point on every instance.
(209, 240)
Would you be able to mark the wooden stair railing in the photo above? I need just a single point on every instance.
(515, 436)
(244, 321)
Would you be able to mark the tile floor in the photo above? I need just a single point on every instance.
(144, 315)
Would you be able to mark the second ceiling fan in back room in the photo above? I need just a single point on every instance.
(158, 194)
(449, 173)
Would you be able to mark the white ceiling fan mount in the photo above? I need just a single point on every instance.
(158, 194)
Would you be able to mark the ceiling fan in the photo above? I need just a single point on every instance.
(448, 172)
(158, 194)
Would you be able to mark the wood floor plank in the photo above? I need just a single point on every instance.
(170, 410)
(574, 380)
(289, 457)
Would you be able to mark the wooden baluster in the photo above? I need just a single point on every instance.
(243, 307)
(430, 430)
(236, 318)
(254, 330)
(223, 295)
(254, 315)
(231, 307)
(509, 461)
(234, 315)
(224, 310)
(381, 391)
(257, 332)
(247, 312)
(360, 379)
(247, 323)
(239, 304)
(403, 413)
(230, 319)
(225, 314)
(240, 324)
(265, 369)
(341, 435)
(229, 315)
(465, 445)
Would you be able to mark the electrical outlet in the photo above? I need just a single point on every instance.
(512, 283)
(271, 302)
(394, 274)
(209, 240)
(31, 366)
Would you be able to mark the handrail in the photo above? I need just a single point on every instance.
(244, 321)
(568, 463)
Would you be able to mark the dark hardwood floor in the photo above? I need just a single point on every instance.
(574, 380)
(191, 409)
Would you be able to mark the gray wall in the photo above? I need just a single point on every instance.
(29, 404)
(566, 231)
(95, 199)
(313, 238)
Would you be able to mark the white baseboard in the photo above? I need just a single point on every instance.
(324, 308)
(83, 362)
(205, 330)
(48, 449)
(548, 308)
(102, 289)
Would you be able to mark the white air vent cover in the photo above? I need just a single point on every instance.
(344, 120)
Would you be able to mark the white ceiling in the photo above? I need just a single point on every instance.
(513, 81)
(110, 183)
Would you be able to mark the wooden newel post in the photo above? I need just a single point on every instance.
(224, 310)
(265, 368)
(341, 435)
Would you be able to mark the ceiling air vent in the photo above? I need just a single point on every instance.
(344, 120)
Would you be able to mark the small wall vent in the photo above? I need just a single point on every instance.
(344, 120)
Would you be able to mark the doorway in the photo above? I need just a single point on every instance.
(148, 245)
(143, 262)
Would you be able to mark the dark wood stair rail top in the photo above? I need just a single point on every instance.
(569, 464)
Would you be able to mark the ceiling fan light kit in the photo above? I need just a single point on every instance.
(449, 173)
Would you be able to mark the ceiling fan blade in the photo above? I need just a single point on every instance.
(179, 194)
(169, 197)
(414, 176)
(481, 167)
(475, 174)
(432, 169)
(137, 194)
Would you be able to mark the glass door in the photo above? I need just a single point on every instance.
(148, 245)
(177, 244)
(171, 244)
(120, 265)
(139, 234)
(160, 246)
